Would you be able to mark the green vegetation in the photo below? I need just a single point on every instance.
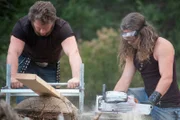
(96, 25)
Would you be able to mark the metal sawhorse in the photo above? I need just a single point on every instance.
(28, 92)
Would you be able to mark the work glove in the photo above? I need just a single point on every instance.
(153, 98)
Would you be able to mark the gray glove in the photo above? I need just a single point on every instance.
(153, 98)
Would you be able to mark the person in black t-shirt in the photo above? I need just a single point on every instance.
(143, 50)
(36, 43)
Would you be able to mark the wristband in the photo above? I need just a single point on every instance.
(154, 97)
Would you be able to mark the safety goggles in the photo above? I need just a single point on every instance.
(129, 35)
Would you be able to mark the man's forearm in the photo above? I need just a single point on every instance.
(163, 85)
(120, 86)
(75, 63)
(12, 59)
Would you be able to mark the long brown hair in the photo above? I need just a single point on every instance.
(146, 35)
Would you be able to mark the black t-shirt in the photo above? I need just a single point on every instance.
(42, 48)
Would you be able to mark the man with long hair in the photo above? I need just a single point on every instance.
(36, 43)
(143, 50)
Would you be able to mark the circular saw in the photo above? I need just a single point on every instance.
(120, 102)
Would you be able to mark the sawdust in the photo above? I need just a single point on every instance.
(113, 116)
(133, 116)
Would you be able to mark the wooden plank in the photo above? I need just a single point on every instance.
(38, 85)
(41, 87)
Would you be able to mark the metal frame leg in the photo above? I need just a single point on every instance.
(81, 89)
(8, 82)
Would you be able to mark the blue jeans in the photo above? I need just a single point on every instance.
(157, 113)
(46, 73)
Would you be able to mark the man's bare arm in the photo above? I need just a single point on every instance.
(126, 77)
(15, 49)
(71, 50)
(164, 54)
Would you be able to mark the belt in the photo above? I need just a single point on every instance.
(42, 64)
(46, 64)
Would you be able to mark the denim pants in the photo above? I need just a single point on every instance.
(48, 73)
(157, 113)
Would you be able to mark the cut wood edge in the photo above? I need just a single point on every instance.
(26, 76)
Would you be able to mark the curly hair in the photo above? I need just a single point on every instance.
(146, 35)
(43, 11)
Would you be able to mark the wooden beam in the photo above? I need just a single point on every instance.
(38, 85)
(41, 87)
